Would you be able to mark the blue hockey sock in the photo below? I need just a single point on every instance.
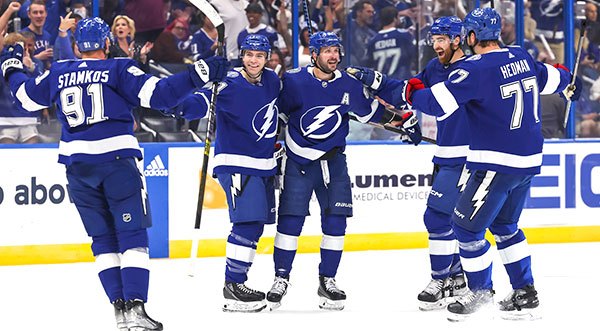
(286, 243)
(241, 249)
(332, 243)
(135, 260)
(514, 252)
(108, 263)
(476, 258)
(111, 280)
(443, 246)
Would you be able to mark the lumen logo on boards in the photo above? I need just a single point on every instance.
(156, 168)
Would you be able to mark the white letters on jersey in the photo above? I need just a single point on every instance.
(345, 99)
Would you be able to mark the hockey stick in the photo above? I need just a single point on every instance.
(352, 116)
(391, 128)
(571, 86)
(210, 12)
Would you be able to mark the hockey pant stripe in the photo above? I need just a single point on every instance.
(286, 242)
(335, 243)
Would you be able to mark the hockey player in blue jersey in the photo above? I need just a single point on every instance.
(246, 113)
(449, 173)
(500, 89)
(95, 98)
(315, 101)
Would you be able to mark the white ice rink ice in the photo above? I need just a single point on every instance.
(382, 288)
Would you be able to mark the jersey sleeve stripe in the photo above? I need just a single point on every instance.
(98, 146)
(26, 102)
(445, 99)
(505, 159)
(366, 118)
(234, 160)
(553, 80)
(305, 152)
(146, 91)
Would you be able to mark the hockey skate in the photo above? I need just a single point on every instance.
(137, 319)
(240, 298)
(330, 296)
(520, 304)
(277, 292)
(119, 306)
(467, 305)
(439, 293)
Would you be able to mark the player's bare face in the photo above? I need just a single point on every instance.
(122, 29)
(254, 61)
(37, 14)
(329, 58)
(441, 46)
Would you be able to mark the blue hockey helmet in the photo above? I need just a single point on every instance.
(450, 26)
(256, 42)
(323, 39)
(484, 22)
(91, 34)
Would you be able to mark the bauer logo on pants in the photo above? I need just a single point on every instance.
(156, 168)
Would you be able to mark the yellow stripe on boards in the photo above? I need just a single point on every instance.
(70, 253)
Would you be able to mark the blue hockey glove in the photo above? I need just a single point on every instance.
(371, 78)
(12, 59)
(410, 124)
(209, 70)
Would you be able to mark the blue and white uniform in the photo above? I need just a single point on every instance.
(505, 152)
(317, 125)
(392, 52)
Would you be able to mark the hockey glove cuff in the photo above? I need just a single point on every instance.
(560, 66)
(371, 78)
(12, 60)
(410, 124)
(410, 86)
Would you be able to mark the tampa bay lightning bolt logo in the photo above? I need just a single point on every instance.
(477, 12)
(551, 8)
(320, 122)
(264, 122)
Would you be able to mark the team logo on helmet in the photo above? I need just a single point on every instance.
(477, 12)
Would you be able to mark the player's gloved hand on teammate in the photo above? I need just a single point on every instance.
(371, 78)
(188, 108)
(402, 98)
(12, 59)
(410, 124)
(211, 69)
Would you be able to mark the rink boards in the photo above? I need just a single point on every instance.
(39, 223)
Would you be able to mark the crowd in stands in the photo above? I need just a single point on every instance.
(387, 35)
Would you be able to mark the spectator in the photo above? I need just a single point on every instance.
(149, 17)
(549, 17)
(271, 10)
(64, 44)
(553, 116)
(232, 12)
(392, 50)
(254, 13)
(508, 35)
(29, 42)
(16, 125)
(37, 15)
(361, 33)
(12, 8)
(276, 62)
(166, 49)
(304, 57)
(204, 41)
(123, 29)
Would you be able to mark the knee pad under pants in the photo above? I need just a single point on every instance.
(241, 249)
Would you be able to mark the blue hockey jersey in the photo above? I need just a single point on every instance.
(392, 52)
(317, 111)
(95, 99)
(200, 45)
(452, 131)
(246, 116)
(500, 91)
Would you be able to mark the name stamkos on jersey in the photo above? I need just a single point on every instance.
(156, 168)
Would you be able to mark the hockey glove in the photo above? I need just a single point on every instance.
(371, 78)
(410, 86)
(560, 66)
(12, 59)
(572, 92)
(209, 70)
(410, 124)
